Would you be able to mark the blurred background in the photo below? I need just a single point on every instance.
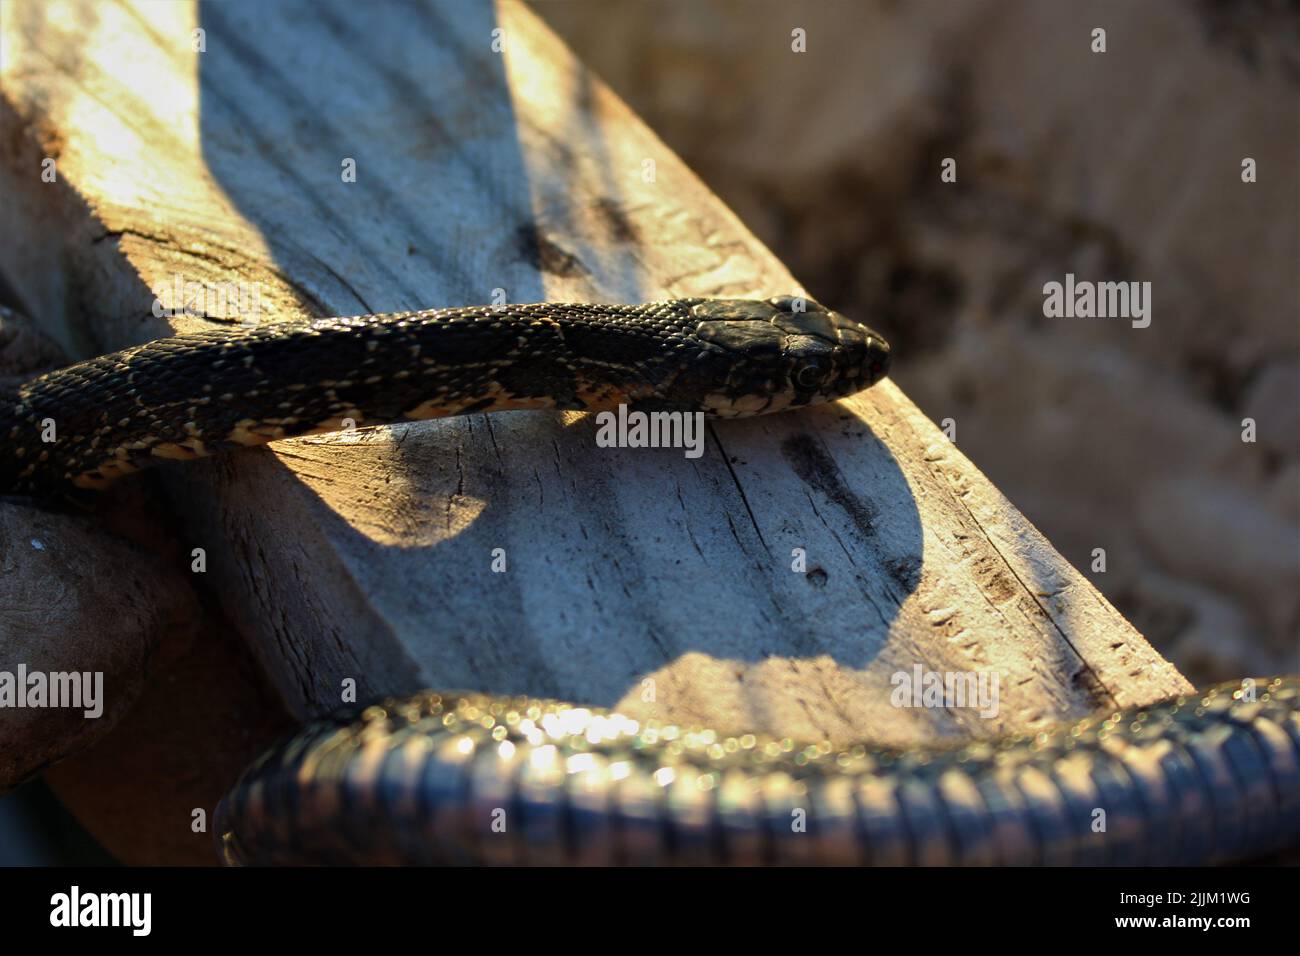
(1115, 166)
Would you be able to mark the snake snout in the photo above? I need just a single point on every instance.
(877, 358)
(867, 354)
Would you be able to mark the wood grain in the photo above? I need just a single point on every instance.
(637, 578)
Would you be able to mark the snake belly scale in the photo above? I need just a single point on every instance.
(426, 779)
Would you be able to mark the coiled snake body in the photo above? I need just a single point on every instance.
(474, 778)
(478, 779)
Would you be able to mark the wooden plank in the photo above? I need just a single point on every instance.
(636, 578)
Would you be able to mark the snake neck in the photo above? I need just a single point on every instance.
(190, 396)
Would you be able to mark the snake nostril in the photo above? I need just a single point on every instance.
(878, 356)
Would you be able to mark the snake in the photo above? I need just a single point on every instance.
(459, 777)
(478, 779)
(196, 394)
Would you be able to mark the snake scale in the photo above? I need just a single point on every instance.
(478, 779)
(471, 778)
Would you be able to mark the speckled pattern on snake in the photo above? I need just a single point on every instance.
(192, 395)
(469, 778)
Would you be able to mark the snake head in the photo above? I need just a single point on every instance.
(786, 352)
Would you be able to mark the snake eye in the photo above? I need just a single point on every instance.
(811, 375)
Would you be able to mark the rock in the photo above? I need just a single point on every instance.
(204, 715)
(73, 600)
(1273, 400)
(1238, 547)
(24, 349)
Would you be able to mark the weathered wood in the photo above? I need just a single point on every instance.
(635, 578)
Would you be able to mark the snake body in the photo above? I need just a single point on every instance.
(186, 396)
(474, 778)
(478, 779)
